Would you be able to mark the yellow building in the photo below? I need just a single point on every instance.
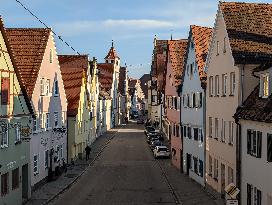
(74, 70)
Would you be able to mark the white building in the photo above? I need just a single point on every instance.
(255, 119)
(193, 98)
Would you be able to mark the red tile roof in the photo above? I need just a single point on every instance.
(249, 30)
(161, 45)
(105, 77)
(177, 53)
(23, 89)
(201, 37)
(28, 46)
(112, 54)
(144, 84)
(73, 70)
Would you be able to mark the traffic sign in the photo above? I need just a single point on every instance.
(232, 190)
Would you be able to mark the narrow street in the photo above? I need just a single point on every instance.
(126, 173)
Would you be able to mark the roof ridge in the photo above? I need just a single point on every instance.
(193, 25)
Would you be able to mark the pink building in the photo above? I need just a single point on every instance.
(175, 61)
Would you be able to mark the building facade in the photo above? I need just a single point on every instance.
(15, 128)
(43, 83)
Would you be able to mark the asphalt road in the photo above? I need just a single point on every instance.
(127, 174)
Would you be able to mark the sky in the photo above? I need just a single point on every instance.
(89, 26)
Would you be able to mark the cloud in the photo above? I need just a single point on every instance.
(115, 25)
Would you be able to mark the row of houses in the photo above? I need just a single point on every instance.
(52, 107)
(211, 93)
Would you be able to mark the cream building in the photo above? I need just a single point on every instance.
(234, 52)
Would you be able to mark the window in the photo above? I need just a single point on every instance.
(257, 196)
(178, 103)
(4, 136)
(195, 134)
(224, 46)
(46, 159)
(232, 83)
(50, 56)
(215, 169)
(188, 100)
(216, 128)
(35, 123)
(210, 126)
(269, 147)
(201, 168)
(56, 88)
(231, 132)
(249, 194)
(217, 85)
(4, 184)
(177, 130)
(5, 91)
(195, 165)
(18, 132)
(35, 165)
(217, 48)
(15, 178)
(210, 165)
(265, 85)
(56, 119)
(47, 87)
(223, 131)
(42, 86)
(174, 129)
(185, 131)
(47, 122)
(230, 175)
(254, 143)
(200, 135)
(211, 85)
(188, 70)
(254, 195)
(61, 151)
(191, 71)
(194, 100)
(189, 133)
(224, 84)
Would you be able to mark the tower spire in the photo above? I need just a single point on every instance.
(112, 43)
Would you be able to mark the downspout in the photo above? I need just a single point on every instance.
(238, 157)
(181, 134)
(204, 133)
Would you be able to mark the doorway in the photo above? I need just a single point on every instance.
(188, 163)
(223, 183)
(25, 181)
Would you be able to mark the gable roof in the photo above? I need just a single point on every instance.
(201, 38)
(249, 30)
(144, 84)
(177, 52)
(255, 108)
(28, 47)
(122, 79)
(23, 89)
(160, 46)
(105, 76)
(73, 71)
(112, 54)
(132, 82)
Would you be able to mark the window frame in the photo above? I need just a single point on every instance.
(36, 164)
(15, 178)
(232, 84)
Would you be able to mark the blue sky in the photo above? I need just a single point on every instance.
(90, 25)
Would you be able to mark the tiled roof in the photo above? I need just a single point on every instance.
(132, 82)
(23, 89)
(160, 46)
(112, 54)
(28, 46)
(177, 53)
(73, 71)
(122, 78)
(249, 30)
(255, 108)
(105, 76)
(201, 37)
(144, 84)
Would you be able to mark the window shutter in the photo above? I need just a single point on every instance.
(259, 144)
(5, 91)
(249, 194)
(269, 147)
(200, 99)
(249, 141)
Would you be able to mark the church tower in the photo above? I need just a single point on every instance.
(112, 56)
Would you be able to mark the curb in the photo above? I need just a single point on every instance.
(77, 177)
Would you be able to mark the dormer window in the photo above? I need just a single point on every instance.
(264, 85)
(51, 56)
(217, 48)
(224, 45)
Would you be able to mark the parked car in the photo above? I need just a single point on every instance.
(161, 151)
(155, 143)
(140, 121)
(150, 139)
(149, 129)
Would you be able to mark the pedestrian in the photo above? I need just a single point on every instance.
(87, 151)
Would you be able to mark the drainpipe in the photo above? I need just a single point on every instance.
(238, 157)
(204, 133)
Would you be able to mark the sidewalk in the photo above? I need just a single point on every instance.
(50, 190)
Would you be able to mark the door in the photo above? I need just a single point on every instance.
(188, 163)
(223, 183)
(25, 181)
